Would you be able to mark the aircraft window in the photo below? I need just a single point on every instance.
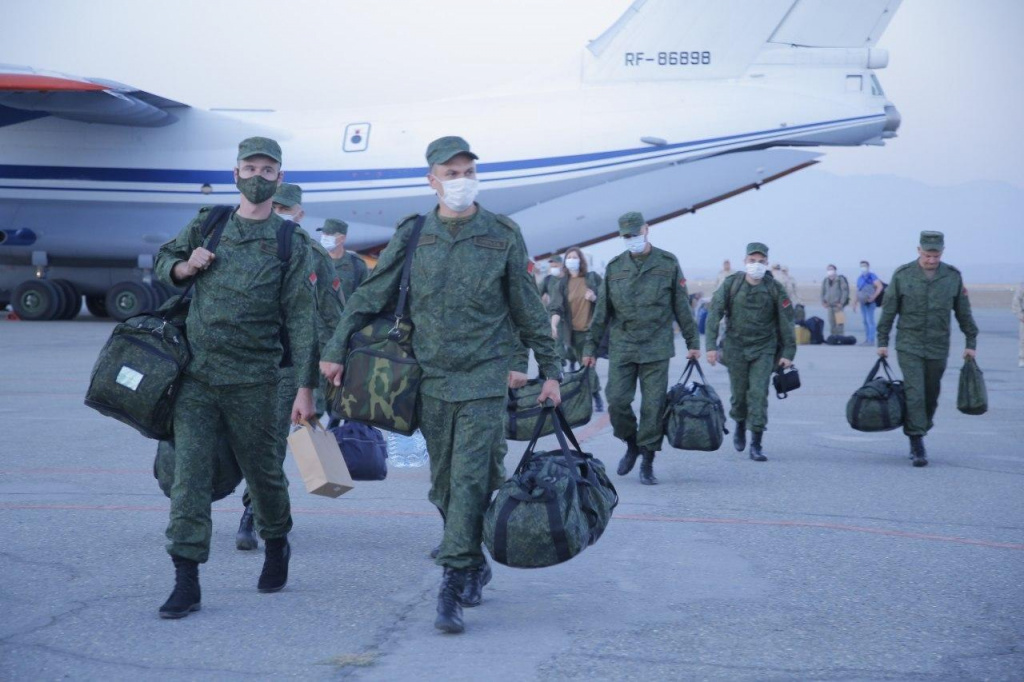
(854, 83)
(357, 137)
(876, 87)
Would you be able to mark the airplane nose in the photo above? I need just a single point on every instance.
(892, 121)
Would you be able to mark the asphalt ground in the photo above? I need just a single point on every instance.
(834, 560)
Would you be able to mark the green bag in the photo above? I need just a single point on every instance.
(972, 398)
(381, 385)
(226, 472)
(556, 504)
(878, 405)
(524, 412)
(694, 415)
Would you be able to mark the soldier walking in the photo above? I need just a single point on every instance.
(835, 296)
(244, 295)
(350, 267)
(922, 293)
(759, 336)
(471, 300)
(643, 291)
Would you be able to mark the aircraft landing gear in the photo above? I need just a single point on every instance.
(128, 299)
(97, 306)
(38, 299)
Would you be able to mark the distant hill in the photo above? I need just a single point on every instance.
(814, 218)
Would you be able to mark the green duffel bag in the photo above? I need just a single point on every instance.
(556, 504)
(694, 414)
(226, 472)
(524, 412)
(972, 398)
(878, 405)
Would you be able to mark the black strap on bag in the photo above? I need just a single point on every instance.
(403, 288)
(214, 224)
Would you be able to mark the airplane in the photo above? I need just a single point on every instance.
(677, 105)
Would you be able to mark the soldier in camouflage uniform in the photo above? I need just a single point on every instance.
(350, 267)
(471, 301)
(244, 295)
(643, 291)
(287, 203)
(759, 335)
(922, 293)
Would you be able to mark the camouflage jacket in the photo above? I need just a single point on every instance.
(352, 270)
(470, 300)
(923, 306)
(330, 299)
(240, 303)
(760, 318)
(639, 299)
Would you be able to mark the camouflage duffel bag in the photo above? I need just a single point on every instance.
(556, 504)
(382, 378)
(878, 405)
(226, 472)
(524, 412)
(694, 414)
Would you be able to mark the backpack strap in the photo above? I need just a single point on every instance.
(212, 227)
(284, 254)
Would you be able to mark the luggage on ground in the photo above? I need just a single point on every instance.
(878, 405)
(694, 414)
(785, 380)
(816, 326)
(226, 472)
(524, 412)
(799, 312)
(555, 505)
(972, 398)
(841, 340)
(364, 450)
(803, 334)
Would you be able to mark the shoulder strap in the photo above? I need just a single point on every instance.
(410, 250)
(731, 292)
(213, 226)
(284, 240)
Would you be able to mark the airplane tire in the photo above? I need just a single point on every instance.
(97, 306)
(38, 299)
(128, 299)
(72, 300)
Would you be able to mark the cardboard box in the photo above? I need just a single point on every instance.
(319, 461)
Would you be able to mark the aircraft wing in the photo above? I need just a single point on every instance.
(26, 93)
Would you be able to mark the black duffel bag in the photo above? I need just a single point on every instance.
(555, 505)
(878, 405)
(226, 472)
(524, 412)
(841, 340)
(694, 414)
(785, 380)
(364, 450)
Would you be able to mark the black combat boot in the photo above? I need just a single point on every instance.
(628, 459)
(917, 453)
(449, 608)
(647, 468)
(598, 403)
(755, 447)
(473, 591)
(275, 565)
(739, 436)
(245, 538)
(186, 596)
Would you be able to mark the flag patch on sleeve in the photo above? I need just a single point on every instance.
(336, 284)
(312, 278)
(786, 303)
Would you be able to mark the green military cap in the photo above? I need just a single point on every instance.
(334, 226)
(932, 241)
(259, 146)
(555, 259)
(757, 247)
(630, 223)
(443, 149)
(288, 195)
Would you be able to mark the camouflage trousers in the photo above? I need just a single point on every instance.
(245, 413)
(283, 419)
(576, 341)
(466, 442)
(922, 379)
(748, 382)
(835, 327)
(622, 381)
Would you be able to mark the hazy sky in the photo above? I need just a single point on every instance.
(955, 71)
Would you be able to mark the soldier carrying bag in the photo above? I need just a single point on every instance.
(972, 397)
(878, 405)
(694, 414)
(381, 385)
(556, 504)
(524, 412)
(138, 372)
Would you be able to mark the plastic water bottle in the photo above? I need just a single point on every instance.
(407, 451)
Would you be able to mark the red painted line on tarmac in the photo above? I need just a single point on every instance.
(624, 517)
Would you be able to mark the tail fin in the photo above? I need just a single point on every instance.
(835, 23)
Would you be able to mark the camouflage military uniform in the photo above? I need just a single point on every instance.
(923, 305)
(471, 300)
(639, 298)
(352, 270)
(759, 330)
(234, 328)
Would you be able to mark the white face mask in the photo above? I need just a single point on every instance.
(328, 241)
(573, 264)
(830, 273)
(635, 244)
(756, 270)
(864, 269)
(459, 194)
(286, 216)
(555, 271)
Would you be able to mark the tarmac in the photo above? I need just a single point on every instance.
(834, 560)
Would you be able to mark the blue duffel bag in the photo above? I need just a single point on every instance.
(364, 450)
